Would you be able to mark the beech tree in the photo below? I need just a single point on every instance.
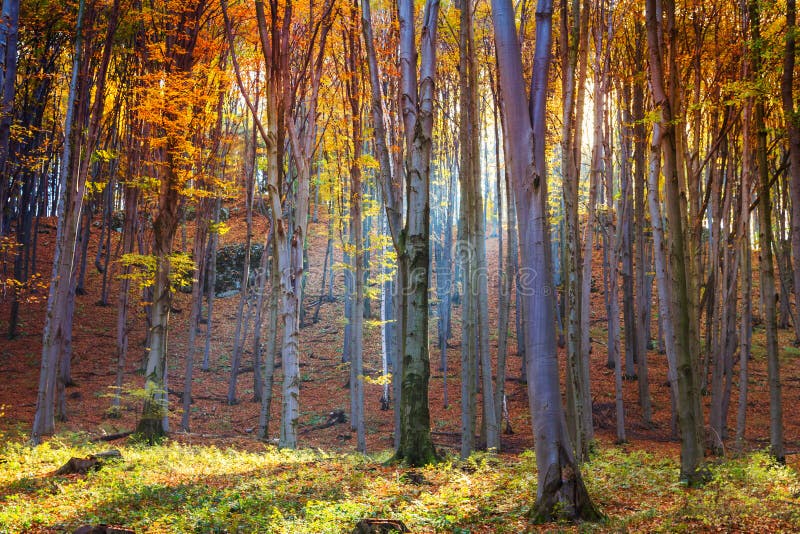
(792, 121)
(411, 239)
(150, 121)
(690, 419)
(81, 130)
(352, 42)
(574, 36)
(291, 109)
(475, 357)
(174, 155)
(560, 489)
(765, 241)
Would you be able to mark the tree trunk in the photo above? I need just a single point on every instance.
(352, 89)
(412, 419)
(268, 372)
(356, 363)
(743, 248)
(626, 245)
(244, 290)
(475, 342)
(723, 331)
(601, 68)
(416, 447)
(613, 327)
(131, 195)
(258, 321)
(690, 417)
(290, 261)
(746, 326)
(506, 275)
(153, 423)
(349, 289)
(199, 256)
(643, 280)
(574, 49)
(211, 281)
(662, 276)
(792, 121)
(70, 199)
(8, 76)
(560, 490)
(765, 239)
(387, 344)
(613, 239)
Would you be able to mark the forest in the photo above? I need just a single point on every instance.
(399, 266)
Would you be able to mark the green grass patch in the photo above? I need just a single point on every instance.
(190, 488)
(790, 350)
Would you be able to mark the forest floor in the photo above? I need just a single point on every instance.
(325, 488)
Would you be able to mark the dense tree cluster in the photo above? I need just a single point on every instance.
(663, 134)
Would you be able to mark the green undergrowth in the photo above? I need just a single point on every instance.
(175, 487)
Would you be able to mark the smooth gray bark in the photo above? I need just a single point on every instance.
(765, 240)
(661, 269)
(240, 331)
(354, 97)
(268, 360)
(792, 121)
(475, 324)
(199, 256)
(690, 418)
(574, 37)
(560, 491)
(412, 370)
(211, 281)
(70, 199)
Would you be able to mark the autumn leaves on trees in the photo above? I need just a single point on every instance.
(639, 155)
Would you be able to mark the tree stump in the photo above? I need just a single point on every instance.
(380, 526)
(93, 462)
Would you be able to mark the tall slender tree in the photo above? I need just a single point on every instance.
(765, 241)
(69, 206)
(173, 72)
(9, 37)
(666, 99)
(81, 132)
(354, 98)
(574, 45)
(411, 241)
(561, 489)
(475, 320)
(792, 121)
